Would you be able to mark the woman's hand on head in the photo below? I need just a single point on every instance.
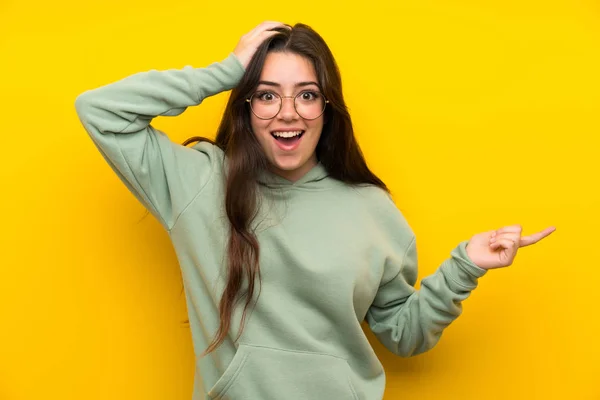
(248, 44)
(497, 249)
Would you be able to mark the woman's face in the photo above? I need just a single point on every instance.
(288, 140)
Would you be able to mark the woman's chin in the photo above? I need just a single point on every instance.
(292, 168)
(286, 163)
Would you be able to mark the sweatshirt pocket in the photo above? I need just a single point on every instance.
(272, 374)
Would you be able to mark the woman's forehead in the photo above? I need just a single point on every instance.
(287, 69)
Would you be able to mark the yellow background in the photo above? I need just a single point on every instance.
(477, 114)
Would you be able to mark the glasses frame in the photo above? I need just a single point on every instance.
(249, 101)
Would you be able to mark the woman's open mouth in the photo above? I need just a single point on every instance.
(287, 140)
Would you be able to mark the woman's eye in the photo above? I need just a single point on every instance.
(308, 95)
(266, 96)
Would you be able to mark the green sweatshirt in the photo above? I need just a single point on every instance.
(331, 255)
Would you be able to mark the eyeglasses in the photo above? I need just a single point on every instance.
(309, 104)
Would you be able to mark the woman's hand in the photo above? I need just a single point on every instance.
(497, 249)
(248, 44)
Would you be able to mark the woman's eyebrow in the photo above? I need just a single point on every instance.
(306, 83)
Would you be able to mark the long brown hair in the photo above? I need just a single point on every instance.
(337, 150)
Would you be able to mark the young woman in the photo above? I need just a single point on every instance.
(283, 200)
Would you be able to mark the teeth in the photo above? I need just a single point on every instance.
(287, 134)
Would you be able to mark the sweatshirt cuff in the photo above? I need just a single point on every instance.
(461, 269)
(233, 66)
(237, 61)
(224, 75)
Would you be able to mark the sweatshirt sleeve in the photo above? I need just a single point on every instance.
(163, 175)
(409, 321)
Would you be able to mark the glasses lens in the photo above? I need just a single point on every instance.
(265, 105)
(310, 104)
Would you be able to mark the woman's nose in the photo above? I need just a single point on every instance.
(288, 111)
